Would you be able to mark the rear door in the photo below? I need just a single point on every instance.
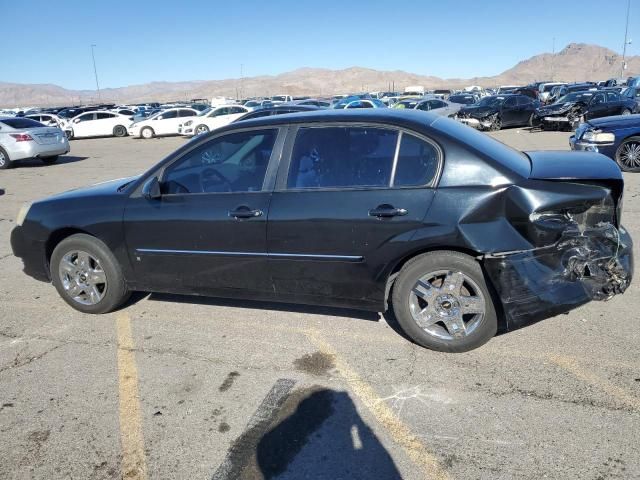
(510, 110)
(207, 231)
(598, 106)
(346, 199)
(614, 103)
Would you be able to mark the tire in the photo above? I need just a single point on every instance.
(201, 129)
(119, 131)
(69, 134)
(626, 111)
(110, 294)
(497, 124)
(531, 121)
(5, 163)
(444, 305)
(50, 160)
(628, 155)
(147, 132)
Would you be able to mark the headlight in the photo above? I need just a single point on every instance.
(22, 214)
(599, 137)
(190, 122)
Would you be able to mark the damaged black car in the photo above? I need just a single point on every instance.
(577, 107)
(497, 111)
(453, 231)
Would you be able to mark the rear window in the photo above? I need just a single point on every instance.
(21, 123)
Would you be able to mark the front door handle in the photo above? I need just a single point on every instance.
(245, 213)
(387, 211)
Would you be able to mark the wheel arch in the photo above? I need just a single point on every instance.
(54, 240)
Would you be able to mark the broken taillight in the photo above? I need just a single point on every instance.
(22, 137)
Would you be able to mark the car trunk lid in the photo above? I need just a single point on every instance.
(46, 135)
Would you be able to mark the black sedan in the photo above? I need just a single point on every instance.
(572, 109)
(497, 111)
(364, 209)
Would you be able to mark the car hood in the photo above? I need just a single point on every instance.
(108, 188)
(477, 111)
(553, 165)
(618, 121)
(556, 108)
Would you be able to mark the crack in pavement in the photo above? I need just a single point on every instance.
(17, 364)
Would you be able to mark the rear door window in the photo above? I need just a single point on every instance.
(342, 157)
(102, 116)
(417, 163)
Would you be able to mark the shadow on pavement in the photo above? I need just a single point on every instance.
(313, 433)
(34, 162)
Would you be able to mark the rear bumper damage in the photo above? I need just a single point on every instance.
(593, 263)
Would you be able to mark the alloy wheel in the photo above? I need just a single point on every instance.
(82, 277)
(629, 155)
(201, 129)
(3, 159)
(448, 305)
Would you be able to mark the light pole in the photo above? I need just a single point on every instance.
(95, 71)
(626, 41)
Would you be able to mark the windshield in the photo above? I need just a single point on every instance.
(19, 122)
(575, 97)
(548, 88)
(464, 99)
(406, 104)
(205, 112)
(492, 101)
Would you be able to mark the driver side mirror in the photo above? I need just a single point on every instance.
(151, 189)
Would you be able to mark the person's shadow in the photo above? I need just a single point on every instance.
(315, 433)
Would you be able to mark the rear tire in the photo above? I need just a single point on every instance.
(147, 132)
(456, 310)
(119, 131)
(50, 160)
(626, 111)
(70, 276)
(5, 163)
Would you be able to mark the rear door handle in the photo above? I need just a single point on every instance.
(387, 211)
(245, 213)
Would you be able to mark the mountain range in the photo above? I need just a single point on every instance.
(576, 62)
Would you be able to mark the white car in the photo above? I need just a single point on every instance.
(97, 124)
(48, 119)
(212, 118)
(162, 123)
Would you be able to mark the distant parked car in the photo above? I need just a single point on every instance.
(162, 123)
(464, 98)
(356, 102)
(210, 119)
(97, 124)
(576, 107)
(23, 138)
(632, 92)
(616, 137)
(47, 119)
(497, 111)
(313, 102)
(276, 110)
(435, 105)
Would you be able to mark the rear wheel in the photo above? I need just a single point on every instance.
(497, 123)
(442, 302)
(628, 154)
(626, 111)
(87, 276)
(119, 131)
(4, 160)
(147, 132)
(49, 160)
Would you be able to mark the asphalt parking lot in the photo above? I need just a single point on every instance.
(176, 387)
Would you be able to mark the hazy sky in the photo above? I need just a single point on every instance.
(141, 41)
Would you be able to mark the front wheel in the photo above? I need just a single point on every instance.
(201, 129)
(4, 160)
(442, 302)
(119, 131)
(147, 132)
(496, 124)
(49, 160)
(628, 154)
(87, 276)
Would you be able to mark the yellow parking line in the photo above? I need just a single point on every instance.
(133, 458)
(399, 432)
(571, 365)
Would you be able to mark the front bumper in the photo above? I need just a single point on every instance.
(24, 150)
(480, 124)
(540, 283)
(33, 254)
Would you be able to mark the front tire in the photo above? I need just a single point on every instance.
(50, 160)
(147, 132)
(87, 276)
(200, 130)
(626, 111)
(628, 155)
(441, 301)
(119, 131)
(5, 163)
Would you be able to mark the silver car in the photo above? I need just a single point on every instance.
(22, 138)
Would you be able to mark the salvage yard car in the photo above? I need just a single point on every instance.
(165, 122)
(23, 138)
(457, 232)
(97, 124)
(574, 108)
(616, 137)
(210, 119)
(497, 111)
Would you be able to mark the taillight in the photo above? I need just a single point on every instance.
(22, 137)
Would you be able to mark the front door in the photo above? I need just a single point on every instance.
(343, 208)
(83, 125)
(207, 231)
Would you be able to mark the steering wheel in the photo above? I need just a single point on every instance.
(206, 180)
